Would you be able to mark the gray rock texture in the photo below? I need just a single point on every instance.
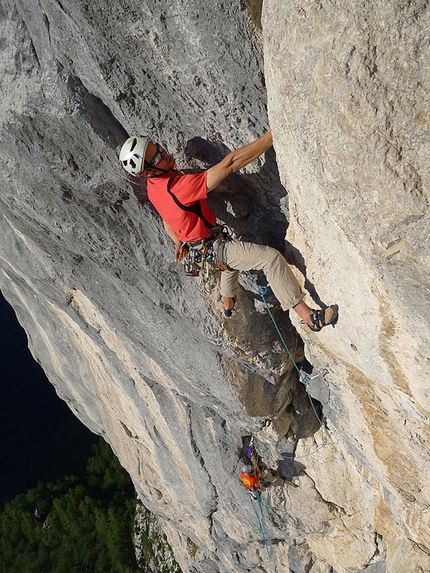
(348, 89)
(142, 354)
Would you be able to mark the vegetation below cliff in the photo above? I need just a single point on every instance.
(76, 525)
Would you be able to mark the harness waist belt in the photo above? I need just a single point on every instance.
(213, 234)
(220, 258)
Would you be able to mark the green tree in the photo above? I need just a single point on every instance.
(76, 525)
(81, 525)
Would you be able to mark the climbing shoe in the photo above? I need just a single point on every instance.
(324, 317)
(228, 312)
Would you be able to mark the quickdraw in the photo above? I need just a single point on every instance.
(190, 258)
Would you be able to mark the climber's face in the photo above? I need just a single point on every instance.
(157, 160)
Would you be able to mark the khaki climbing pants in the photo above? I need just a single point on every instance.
(242, 256)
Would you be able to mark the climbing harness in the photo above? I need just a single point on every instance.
(197, 257)
(304, 378)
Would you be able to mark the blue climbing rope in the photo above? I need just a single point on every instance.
(257, 506)
(302, 377)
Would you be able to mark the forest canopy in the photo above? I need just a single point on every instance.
(78, 525)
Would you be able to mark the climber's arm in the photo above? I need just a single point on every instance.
(238, 159)
(171, 233)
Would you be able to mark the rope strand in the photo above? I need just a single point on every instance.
(261, 522)
(302, 377)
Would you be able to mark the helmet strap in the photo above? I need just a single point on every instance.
(162, 171)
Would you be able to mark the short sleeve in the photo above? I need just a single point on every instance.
(190, 187)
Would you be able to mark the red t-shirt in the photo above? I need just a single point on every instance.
(250, 481)
(190, 191)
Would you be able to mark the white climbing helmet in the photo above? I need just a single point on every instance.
(132, 154)
(247, 469)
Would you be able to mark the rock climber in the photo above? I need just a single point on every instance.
(255, 475)
(258, 478)
(249, 478)
(180, 199)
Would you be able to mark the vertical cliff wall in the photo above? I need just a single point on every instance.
(349, 103)
(141, 353)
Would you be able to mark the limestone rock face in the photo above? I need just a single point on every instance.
(142, 354)
(349, 103)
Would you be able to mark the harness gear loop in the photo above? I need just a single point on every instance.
(198, 253)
